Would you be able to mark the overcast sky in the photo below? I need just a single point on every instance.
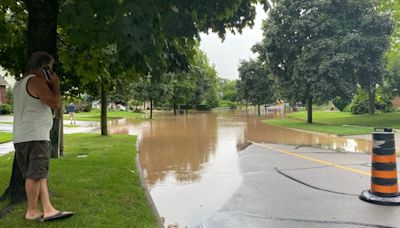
(226, 55)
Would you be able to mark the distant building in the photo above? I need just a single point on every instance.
(396, 103)
(3, 90)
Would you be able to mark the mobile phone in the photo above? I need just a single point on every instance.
(47, 72)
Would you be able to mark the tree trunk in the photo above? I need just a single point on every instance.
(151, 109)
(62, 130)
(42, 27)
(371, 100)
(175, 108)
(258, 107)
(16, 188)
(42, 36)
(309, 106)
(103, 98)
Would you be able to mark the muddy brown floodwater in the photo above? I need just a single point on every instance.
(190, 161)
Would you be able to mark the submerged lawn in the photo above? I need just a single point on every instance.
(111, 115)
(319, 127)
(103, 189)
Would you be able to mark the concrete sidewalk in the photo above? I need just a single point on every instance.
(83, 127)
(286, 186)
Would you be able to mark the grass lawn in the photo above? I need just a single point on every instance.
(95, 115)
(391, 119)
(339, 123)
(5, 137)
(70, 125)
(103, 189)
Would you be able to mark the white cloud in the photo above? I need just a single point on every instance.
(227, 55)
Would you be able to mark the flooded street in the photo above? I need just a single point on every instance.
(190, 161)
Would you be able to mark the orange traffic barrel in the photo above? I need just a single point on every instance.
(384, 187)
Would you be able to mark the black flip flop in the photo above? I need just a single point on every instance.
(39, 218)
(58, 216)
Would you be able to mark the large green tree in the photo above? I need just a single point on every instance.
(156, 90)
(392, 8)
(148, 37)
(183, 87)
(392, 79)
(256, 81)
(320, 49)
(13, 36)
(205, 76)
(374, 30)
(34, 23)
(227, 89)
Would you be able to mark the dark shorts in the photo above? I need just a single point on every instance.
(33, 159)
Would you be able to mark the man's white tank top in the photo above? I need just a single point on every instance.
(32, 118)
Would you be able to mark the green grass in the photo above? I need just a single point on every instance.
(102, 189)
(95, 115)
(71, 125)
(339, 123)
(5, 137)
(345, 118)
(319, 127)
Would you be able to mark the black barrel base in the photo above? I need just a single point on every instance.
(371, 198)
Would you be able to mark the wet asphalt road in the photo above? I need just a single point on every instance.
(286, 186)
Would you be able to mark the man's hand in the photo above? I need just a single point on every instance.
(54, 81)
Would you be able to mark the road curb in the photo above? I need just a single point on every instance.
(146, 189)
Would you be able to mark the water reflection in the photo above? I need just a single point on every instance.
(179, 145)
(259, 132)
(190, 161)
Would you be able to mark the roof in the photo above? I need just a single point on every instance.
(3, 81)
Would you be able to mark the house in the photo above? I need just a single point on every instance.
(3, 90)
(396, 102)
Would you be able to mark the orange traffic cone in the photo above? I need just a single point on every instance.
(384, 187)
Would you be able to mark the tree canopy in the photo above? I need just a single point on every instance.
(320, 49)
(148, 36)
(256, 82)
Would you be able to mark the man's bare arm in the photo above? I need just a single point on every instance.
(47, 91)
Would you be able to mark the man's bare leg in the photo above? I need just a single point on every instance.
(32, 188)
(48, 209)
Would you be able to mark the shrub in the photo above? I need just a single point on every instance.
(138, 110)
(359, 104)
(185, 106)
(6, 109)
(87, 107)
(347, 108)
(383, 101)
(203, 107)
(227, 104)
(340, 102)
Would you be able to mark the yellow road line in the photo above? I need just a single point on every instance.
(314, 159)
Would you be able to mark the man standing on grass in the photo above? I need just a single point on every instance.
(34, 96)
(71, 108)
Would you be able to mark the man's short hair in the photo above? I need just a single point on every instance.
(38, 60)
